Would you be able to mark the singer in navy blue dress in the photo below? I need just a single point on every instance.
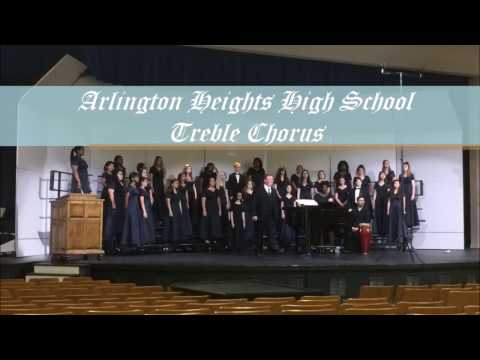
(176, 211)
(147, 228)
(120, 190)
(80, 182)
(131, 228)
(109, 208)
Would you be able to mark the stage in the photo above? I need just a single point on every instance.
(341, 274)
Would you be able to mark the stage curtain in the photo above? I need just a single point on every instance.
(7, 185)
(181, 65)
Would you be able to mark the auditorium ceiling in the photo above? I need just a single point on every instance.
(452, 59)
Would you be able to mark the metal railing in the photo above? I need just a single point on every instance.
(56, 178)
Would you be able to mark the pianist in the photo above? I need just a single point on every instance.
(324, 196)
(361, 218)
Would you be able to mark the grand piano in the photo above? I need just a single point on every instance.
(319, 224)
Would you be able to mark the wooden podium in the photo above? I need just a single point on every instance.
(76, 226)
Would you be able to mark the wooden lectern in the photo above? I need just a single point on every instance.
(76, 226)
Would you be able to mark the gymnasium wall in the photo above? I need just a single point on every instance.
(441, 170)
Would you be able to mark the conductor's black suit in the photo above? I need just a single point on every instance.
(267, 209)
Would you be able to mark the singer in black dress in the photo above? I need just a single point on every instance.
(297, 177)
(211, 213)
(281, 181)
(80, 182)
(157, 175)
(343, 171)
(131, 228)
(194, 206)
(380, 200)
(288, 235)
(396, 216)
(305, 190)
(390, 174)
(225, 202)
(184, 196)
(321, 178)
(361, 173)
(248, 200)
(256, 173)
(343, 194)
(238, 223)
(407, 184)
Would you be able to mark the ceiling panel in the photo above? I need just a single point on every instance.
(451, 59)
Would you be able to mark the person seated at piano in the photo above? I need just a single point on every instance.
(342, 193)
(324, 196)
(236, 181)
(321, 178)
(305, 189)
(361, 219)
(358, 191)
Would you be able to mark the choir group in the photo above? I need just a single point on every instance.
(243, 210)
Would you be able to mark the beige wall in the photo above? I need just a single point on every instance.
(475, 198)
(475, 188)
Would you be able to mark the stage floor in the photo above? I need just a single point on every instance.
(331, 274)
(382, 258)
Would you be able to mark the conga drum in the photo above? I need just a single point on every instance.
(365, 235)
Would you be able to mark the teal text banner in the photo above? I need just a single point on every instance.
(233, 115)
